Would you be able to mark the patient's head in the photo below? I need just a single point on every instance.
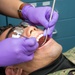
(43, 56)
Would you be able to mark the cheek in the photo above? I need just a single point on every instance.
(43, 53)
(25, 33)
(55, 50)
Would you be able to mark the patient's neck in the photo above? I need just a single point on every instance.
(36, 64)
(41, 59)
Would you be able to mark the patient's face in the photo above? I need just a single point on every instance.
(43, 56)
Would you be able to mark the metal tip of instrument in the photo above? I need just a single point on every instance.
(45, 39)
(53, 5)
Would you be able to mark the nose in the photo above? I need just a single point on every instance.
(32, 29)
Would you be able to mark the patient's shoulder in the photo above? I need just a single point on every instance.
(69, 71)
(70, 54)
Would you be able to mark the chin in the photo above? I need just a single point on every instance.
(52, 48)
(56, 50)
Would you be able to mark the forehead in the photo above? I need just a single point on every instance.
(3, 35)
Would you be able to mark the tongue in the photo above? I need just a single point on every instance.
(41, 40)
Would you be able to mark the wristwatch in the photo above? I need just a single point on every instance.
(19, 11)
(20, 8)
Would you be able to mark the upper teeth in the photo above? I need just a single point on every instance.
(39, 37)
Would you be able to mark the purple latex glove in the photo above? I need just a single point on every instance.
(17, 50)
(49, 31)
(51, 25)
(39, 15)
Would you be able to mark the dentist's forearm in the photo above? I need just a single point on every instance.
(10, 7)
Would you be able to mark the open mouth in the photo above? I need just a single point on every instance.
(42, 39)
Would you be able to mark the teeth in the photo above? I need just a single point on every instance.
(39, 37)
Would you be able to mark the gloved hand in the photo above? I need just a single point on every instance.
(39, 15)
(17, 50)
(49, 31)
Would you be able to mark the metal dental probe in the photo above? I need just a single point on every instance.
(52, 10)
(50, 20)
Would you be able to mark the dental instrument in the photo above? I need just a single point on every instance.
(49, 20)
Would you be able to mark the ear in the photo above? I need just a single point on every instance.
(10, 70)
